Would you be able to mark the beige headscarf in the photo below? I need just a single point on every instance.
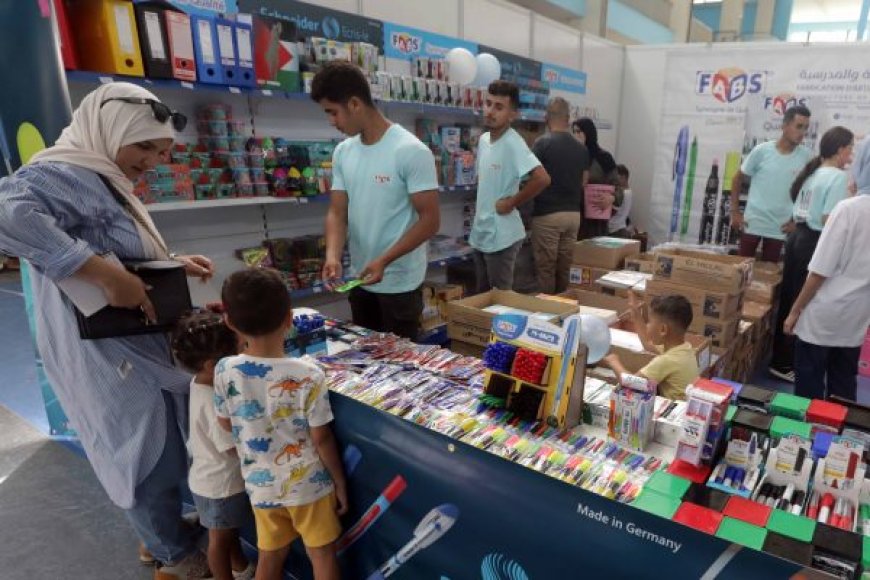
(95, 135)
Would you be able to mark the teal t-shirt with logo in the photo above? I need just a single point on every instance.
(500, 167)
(820, 193)
(770, 205)
(379, 180)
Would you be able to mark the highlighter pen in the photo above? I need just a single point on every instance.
(681, 151)
(690, 186)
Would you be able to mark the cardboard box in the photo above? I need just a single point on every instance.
(645, 263)
(720, 332)
(705, 303)
(580, 276)
(719, 362)
(765, 292)
(466, 348)
(634, 361)
(606, 253)
(435, 300)
(598, 300)
(767, 272)
(467, 321)
(730, 274)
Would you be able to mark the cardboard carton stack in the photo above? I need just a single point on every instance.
(435, 300)
(714, 284)
(598, 257)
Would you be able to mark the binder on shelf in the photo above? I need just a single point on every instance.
(151, 20)
(226, 46)
(67, 46)
(106, 36)
(245, 50)
(181, 46)
(205, 48)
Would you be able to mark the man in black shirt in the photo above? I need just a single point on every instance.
(557, 213)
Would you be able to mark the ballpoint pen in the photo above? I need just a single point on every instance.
(690, 186)
(681, 151)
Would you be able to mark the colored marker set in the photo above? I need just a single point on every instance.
(836, 512)
(632, 414)
(737, 480)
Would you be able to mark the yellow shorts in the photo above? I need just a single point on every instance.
(316, 523)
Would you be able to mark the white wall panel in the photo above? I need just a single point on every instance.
(441, 16)
(640, 118)
(603, 62)
(351, 6)
(497, 24)
(556, 43)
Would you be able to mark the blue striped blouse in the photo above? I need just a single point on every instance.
(57, 216)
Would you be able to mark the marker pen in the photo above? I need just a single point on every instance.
(813, 506)
(764, 493)
(729, 476)
(739, 478)
(719, 474)
(836, 513)
(752, 480)
(797, 502)
(785, 501)
(825, 508)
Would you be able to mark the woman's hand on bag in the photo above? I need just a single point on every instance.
(197, 267)
(126, 290)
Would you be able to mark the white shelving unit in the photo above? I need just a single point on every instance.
(226, 225)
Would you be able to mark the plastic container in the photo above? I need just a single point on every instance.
(242, 176)
(237, 142)
(740, 532)
(262, 188)
(245, 190)
(258, 175)
(237, 128)
(791, 406)
(699, 518)
(205, 191)
(234, 159)
(226, 190)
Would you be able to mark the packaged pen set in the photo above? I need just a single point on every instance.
(632, 412)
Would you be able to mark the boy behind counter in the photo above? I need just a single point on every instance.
(675, 367)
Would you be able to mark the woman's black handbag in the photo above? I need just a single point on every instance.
(169, 293)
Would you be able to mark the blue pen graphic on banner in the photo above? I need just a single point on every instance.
(681, 152)
(405, 43)
(564, 79)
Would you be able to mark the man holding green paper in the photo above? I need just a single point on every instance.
(384, 203)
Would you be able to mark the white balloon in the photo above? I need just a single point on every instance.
(595, 334)
(488, 70)
(462, 65)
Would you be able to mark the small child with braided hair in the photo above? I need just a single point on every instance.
(200, 340)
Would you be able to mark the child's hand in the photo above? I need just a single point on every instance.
(633, 301)
(341, 499)
(611, 359)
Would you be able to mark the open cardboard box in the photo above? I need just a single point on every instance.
(604, 252)
(467, 321)
(634, 360)
(645, 263)
(582, 276)
(730, 274)
(597, 300)
(705, 303)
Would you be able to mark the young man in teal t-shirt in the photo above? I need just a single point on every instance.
(384, 203)
(503, 159)
(773, 167)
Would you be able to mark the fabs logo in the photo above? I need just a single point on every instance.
(406, 43)
(782, 103)
(729, 84)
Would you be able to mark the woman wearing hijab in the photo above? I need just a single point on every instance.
(602, 170)
(72, 204)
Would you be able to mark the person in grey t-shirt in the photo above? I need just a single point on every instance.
(557, 214)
